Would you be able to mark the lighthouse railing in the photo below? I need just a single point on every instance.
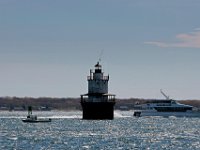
(105, 98)
(92, 78)
(89, 77)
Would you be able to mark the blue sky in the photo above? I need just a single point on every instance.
(47, 47)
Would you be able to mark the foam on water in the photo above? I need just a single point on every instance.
(57, 114)
(122, 114)
(41, 114)
(60, 117)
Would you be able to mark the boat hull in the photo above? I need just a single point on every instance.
(167, 114)
(98, 110)
(36, 121)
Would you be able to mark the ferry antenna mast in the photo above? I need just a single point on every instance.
(167, 97)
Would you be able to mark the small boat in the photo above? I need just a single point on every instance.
(33, 118)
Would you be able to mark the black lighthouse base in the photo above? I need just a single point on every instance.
(98, 110)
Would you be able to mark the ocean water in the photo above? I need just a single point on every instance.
(68, 131)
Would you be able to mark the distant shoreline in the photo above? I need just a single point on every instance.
(69, 104)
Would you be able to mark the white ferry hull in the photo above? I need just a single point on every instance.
(167, 114)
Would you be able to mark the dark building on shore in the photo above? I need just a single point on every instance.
(98, 103)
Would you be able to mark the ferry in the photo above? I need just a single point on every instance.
(168, 107)
(33, 118)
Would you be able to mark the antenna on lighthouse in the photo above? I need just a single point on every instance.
(100, 56)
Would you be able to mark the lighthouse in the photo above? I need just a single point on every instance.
(98, 103)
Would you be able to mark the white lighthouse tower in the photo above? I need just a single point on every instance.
(97, 103)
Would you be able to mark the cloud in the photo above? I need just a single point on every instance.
(190, 40)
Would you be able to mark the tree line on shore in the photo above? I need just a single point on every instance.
(67, 104)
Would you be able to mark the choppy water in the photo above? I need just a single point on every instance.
(68, 131)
